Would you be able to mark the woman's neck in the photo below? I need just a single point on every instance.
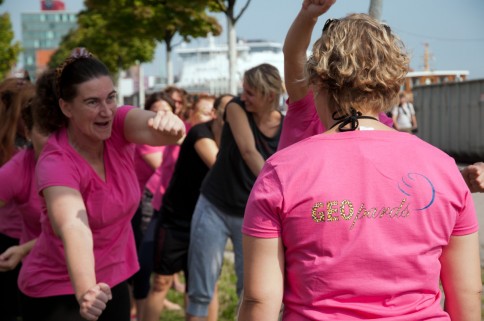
(88, 149)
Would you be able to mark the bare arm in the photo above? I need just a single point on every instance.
(239, 124)
(295, 45)
(263, 279)
(154, 160)
(461, 278)
(207, 150)
(68, 217)
(13, 255)
(155, 129)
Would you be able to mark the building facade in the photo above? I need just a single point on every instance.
(42, 33)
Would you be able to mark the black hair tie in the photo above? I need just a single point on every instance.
(351, 119)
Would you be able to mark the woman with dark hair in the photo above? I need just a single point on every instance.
(86, 177)
(344, 225)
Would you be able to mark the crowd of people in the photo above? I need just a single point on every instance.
(106, 208)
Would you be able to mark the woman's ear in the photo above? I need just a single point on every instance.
(65, 108)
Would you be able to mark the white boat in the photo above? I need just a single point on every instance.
(206, 68)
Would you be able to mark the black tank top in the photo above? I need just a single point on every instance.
(228, 184)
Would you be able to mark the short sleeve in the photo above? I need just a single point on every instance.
(301, 121)
(466, 222)
(56, 168)
(262, 214)
(9, 176)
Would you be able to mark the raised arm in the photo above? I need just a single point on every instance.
(155, 129)
(68, 217)
(239, 125)
(461, 278)
(263, 279)
(296, 44)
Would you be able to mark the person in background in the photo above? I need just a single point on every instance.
(474, 177)
(78, 268)
(339, 227)
(179, 97)
(250, 135)
(14, 93)
(148, 160)
(15, 97)
(197, 155)
(403, 114)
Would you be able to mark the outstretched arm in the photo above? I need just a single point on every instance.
(474, 177)
(155, 129)
(297, 42)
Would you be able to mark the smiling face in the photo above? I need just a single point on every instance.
(254, 100)
(92, 111)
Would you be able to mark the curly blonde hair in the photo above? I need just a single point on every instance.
(360, 62)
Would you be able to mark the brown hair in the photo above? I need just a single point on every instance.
(15, 93)
(360, 62)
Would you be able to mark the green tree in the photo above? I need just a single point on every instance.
(157, 21)
(111, 47)
(228, 8)
(9, 50)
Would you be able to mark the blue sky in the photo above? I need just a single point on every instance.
(453, 29)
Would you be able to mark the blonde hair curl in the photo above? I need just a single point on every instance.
(360, 62)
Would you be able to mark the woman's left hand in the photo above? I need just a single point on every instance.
(168, 123)
(11, 258)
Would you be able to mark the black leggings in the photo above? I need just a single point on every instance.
(9, 293)
(65, 307)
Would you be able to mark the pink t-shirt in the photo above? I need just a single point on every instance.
(302, 121)
(160, 184)
(363, 217)
(144, 172)
(110, 206)
(19, 192)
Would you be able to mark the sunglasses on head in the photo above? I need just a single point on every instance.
(330, 21)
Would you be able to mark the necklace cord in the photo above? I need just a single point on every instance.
(351, 119)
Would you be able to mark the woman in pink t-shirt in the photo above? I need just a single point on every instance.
(15, 95)
(362, 221)
(86, 177)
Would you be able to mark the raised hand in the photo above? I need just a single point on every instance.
(93, 302)
(317, 7)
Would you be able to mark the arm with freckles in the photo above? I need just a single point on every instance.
(156, 129)
(68, 217)
(244, 138)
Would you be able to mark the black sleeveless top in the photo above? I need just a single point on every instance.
(229, 182)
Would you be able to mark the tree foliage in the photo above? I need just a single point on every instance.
(9, 51)
(130, 29)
